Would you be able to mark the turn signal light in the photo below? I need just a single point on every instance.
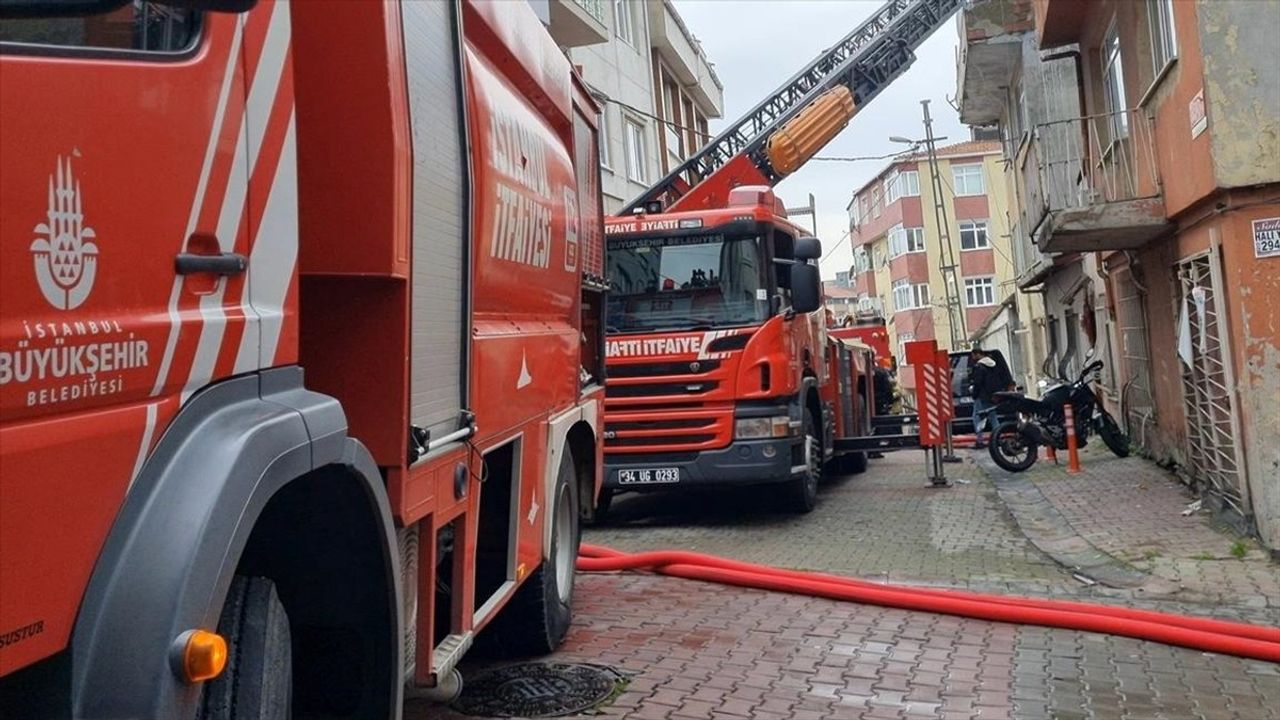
(204, 655)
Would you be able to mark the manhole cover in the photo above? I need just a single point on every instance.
(538, 690)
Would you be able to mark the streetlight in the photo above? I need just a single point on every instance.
(904, 141)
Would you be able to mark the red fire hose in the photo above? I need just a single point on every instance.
(1218, 636)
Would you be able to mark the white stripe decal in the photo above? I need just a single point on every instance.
(147, 431)
(262, 96)
(233, 61)
(274, 254)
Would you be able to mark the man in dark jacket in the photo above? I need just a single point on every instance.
(986, 378)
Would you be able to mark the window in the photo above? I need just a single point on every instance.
(144, 26)
(979, 292)
(901, 295)
(973, 235)
(891, 189)
(1113, 84)
(675, 144)
(967, 179)
(903, 339)
(909, 184)
(606, 156)
(622, 22)
(901, 184)
(909, 297)
(876, 202)
(861, 260)
(636, 155)
(1164, 39)
(855, 214)
(660, 282)
(905, 240)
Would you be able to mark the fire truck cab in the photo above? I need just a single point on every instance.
(716, 351)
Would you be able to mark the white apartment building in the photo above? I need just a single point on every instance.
(655, 85)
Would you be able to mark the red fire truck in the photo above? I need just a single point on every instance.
(300, 350)
(720, 369)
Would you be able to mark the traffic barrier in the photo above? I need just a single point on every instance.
(1073, 450)
(1218, 636)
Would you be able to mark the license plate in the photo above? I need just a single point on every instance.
(649, 476)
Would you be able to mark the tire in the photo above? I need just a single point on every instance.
(1011, 448)
(258, 679)
(857, 462)
(537, 619)
(1112, 435)
(802, 491)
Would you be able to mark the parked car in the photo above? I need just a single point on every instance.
(962, 424)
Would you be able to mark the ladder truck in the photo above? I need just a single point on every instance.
(301, 351)
(720, 369)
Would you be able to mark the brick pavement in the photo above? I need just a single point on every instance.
(698, 650)
(1132, 509)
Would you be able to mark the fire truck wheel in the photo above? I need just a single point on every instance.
(803, 489)
(258, 679)
(537, 619)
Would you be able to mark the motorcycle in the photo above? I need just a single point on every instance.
(1015, 444)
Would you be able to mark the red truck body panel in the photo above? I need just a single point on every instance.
(134, 160)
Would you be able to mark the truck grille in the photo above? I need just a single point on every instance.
(689, 389)
(671, 368)
(668, 406)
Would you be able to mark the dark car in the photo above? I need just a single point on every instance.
(962, 424)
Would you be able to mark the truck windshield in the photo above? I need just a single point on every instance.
(666, 283)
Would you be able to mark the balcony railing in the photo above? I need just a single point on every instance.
(1087, 161)
(594, 8)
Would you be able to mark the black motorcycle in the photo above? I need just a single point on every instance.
(1015, 444)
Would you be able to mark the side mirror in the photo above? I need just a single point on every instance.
(806, 287)
(808, 248)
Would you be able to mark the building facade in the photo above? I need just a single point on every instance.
(1143, 141)
(899, 250)
(655, 85)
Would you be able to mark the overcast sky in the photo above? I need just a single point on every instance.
(756, 45)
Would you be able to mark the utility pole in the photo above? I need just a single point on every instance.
(950, 280)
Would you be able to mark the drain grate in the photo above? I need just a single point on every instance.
(536, 690)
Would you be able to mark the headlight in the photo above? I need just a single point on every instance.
(765, 427)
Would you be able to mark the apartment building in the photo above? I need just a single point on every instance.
(899, 250)
(1143, 149)
(655, 85)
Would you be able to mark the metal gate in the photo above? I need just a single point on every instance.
(1208, 381)
(1131, 327)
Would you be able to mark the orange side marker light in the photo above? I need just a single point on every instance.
(203, 655)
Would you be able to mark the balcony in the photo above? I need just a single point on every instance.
(575, 23)
(1059, 22)
(992, 33)
(684, 55)
(1092, 184)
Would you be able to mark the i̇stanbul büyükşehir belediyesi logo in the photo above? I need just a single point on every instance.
(66, 259)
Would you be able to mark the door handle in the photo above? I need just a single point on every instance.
(220, 264)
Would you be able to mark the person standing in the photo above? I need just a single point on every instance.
(985, 380)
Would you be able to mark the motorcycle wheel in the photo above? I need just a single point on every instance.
(1112, 435)
(1011, 449)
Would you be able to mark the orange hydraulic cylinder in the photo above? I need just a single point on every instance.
(805, 134)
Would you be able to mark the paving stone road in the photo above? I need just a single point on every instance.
(696, 650)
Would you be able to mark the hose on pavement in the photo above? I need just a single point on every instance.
(1217, 636)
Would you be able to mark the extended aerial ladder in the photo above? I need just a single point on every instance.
(789, 126)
